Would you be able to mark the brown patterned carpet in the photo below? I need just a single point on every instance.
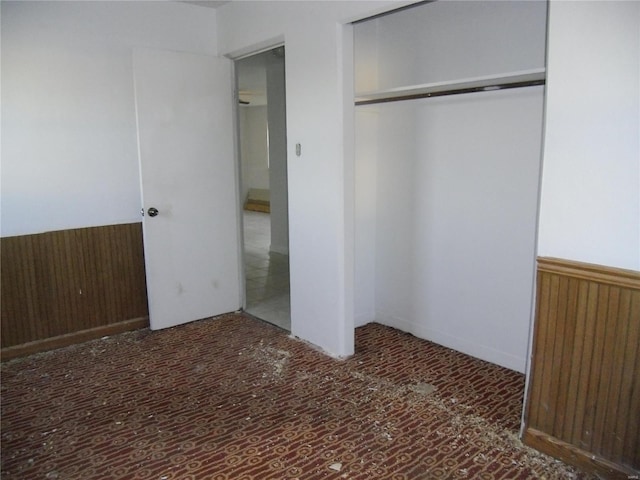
(234, 398)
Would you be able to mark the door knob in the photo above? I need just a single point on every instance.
(153, 212)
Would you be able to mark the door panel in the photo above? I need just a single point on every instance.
(187, 170)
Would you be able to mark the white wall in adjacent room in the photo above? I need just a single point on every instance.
(254, 153)
(277, 121)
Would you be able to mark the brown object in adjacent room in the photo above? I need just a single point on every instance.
(258, 200)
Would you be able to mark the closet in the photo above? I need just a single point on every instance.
(449, 111)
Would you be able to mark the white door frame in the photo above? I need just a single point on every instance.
(250, 52)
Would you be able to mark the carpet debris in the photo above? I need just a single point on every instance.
(231, 395)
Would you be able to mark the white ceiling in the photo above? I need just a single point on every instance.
(207, 3)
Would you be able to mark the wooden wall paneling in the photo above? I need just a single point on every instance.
(584, 395)
(60, 283)
(100, 288)
(631, 452)
(116, 256)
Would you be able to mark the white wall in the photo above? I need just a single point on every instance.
(457, 204)
(69, 149)
(69, 143)
(318, 102)
(590, 206)
(254, 154)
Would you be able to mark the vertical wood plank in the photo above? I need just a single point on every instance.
(595, 376)
(539, 347)
(110, 251)
(556, 366)
(91, 287)
(614, 419)
(585, 369)
(137, 269)
(11, 285)
(574, 363)
(631, 453)
(568, 340)
(44, 309)
(548, 366)
(601, 431)
(104, 249)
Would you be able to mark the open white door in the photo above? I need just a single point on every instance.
(187, 168)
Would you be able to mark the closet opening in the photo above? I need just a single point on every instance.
(263, 185)
(448, 138)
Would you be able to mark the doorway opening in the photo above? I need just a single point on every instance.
(263, 172)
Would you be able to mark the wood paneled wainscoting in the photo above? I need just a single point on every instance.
(583, 404)
(69, 286)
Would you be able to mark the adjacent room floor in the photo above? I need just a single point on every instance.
(266, 273)
(236, 398)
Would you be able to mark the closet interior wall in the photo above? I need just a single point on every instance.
(447, 187)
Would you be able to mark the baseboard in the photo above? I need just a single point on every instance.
(393, 321)
(459, 344)
(52, 343)
(575, 456)
(483, 352)
(361, 319)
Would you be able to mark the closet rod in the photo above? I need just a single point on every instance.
(454, 91)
